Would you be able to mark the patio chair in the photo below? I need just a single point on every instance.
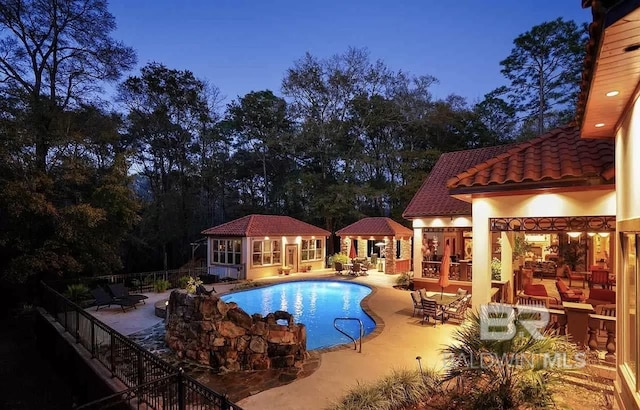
(568, 295)
(355, 269)
(103, 298)
(417, 302)
(599, 277)
(339, 267)
(533, 301)
(572, 275)
(121, 292)
(601, 297)
(458, 310)
(605, 310)
(431, 309)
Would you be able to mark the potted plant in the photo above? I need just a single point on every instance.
(520, 249)
(496, 269)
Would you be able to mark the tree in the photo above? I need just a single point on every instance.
(168, 114)
(59, 150)
(261, 129)
(544, 69)
(498, 116)
(55, 54)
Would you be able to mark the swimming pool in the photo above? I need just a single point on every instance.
(314, 303)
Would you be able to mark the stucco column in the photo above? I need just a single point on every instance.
(481, 281)
(417, 252)
(506, 265)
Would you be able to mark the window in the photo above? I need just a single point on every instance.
(312, 250)
(398, 253)
(226, 251)
(266, 252)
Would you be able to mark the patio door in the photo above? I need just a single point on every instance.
(628, 287)
(291, 260)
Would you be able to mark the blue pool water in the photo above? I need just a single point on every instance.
(314, 303)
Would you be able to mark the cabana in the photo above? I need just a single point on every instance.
(382, 241)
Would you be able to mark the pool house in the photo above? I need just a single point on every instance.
(258, 246)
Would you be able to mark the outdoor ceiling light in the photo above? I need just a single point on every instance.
(604, 234)
(599, 125)
(591, 233)
(574, 234)
(612, 93)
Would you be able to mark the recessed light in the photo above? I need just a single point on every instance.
(612, 93)
(632, 47)
(599, 125)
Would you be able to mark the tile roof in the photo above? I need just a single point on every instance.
(433, 199)
(265, 225)
(558, 155)
(375, 226)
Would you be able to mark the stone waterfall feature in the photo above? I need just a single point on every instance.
(223, 336)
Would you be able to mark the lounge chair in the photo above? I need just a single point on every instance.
(121, 292)
(103, 298)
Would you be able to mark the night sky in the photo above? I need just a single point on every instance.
(242, 46)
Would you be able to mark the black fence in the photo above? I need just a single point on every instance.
(153, 383)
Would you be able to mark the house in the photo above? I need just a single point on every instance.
(257, 246)
(437, 217)
(556, 188)
(382, 238)
(608, 109)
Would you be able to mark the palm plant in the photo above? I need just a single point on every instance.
(506, 374)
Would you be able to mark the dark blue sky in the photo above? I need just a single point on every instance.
(242, 46)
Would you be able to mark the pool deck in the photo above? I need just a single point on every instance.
(396, 346)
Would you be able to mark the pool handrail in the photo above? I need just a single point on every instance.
(349, 336)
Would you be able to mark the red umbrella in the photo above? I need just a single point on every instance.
(445, 268)
(353, 253)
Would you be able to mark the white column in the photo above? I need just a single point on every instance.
(481, 282)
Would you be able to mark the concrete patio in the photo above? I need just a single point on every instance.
(400, 340)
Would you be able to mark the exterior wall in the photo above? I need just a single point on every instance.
(247, 271)
(575, 203)
(433, 222)
(627, 216)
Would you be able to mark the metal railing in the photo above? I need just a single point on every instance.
(143, 281)
(151, 381)
(355, 347)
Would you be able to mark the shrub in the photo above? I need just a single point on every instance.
(405, 280)
(401, 389)
(77, 292)
(505, 374)
(182, 281)
(161, 285)
(338, 257)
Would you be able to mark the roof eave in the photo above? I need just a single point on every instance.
(513, 187)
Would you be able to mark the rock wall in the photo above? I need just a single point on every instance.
(210, 331)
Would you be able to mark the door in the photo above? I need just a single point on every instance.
(292, 257)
